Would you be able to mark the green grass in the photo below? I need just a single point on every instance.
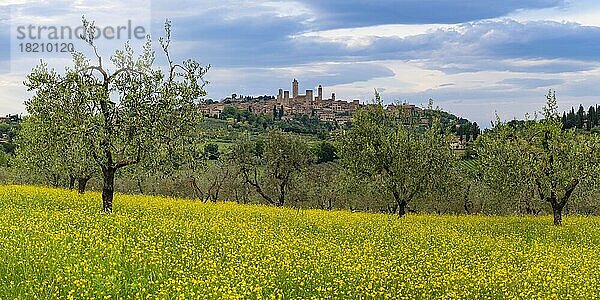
(56, 244)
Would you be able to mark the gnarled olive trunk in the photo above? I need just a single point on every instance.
(400, 203)
(72, 180)
(55, 179)
(402, 208)
(557, 212)
(82, 183)
(557, 217)
(557, 203)
(108, 189)
(281, 200)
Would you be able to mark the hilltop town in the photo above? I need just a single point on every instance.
(286, 105)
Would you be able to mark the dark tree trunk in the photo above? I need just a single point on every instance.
(214, 197)
(257, 187)
(557, 208)
(402, 208)
(468, 204)
(55, 180)
(217, 195)
(82, 183)
(108, 189)
(558, 204)
(281, 195)
(401, 203)
(139, 186)
(72, 180)
(557, 215)
(198, 194)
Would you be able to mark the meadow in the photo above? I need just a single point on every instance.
(57, 244)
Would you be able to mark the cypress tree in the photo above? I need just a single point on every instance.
(591, 118)
(580, 118)
(571, 119)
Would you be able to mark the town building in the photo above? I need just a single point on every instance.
(327, 110)
(289, 103)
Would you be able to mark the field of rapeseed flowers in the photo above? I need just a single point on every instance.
(55, 243)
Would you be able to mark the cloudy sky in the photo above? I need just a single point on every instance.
(474, 58)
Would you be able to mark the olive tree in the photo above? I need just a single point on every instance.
(50, 141)
(504, 167)
(539, 155)
(321, 185)
(408, 160)
(38, 152)
(133, 111)
(272, 167)
(208, 182)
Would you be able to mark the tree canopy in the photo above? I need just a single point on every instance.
(539, 155)
(408, 161)
(137, 113)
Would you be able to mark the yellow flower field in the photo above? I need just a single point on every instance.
(57, 244)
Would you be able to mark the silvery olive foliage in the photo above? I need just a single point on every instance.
(408, 161)
(50, 141)
(126, 112)
(538, 155)
(273, 166)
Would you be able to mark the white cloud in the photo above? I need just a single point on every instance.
(584, 12)
(363, 37)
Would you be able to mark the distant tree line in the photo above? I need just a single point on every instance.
(582, 119)
(466, 131)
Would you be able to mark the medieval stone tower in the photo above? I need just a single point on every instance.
(320, 93)
(295, 89)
